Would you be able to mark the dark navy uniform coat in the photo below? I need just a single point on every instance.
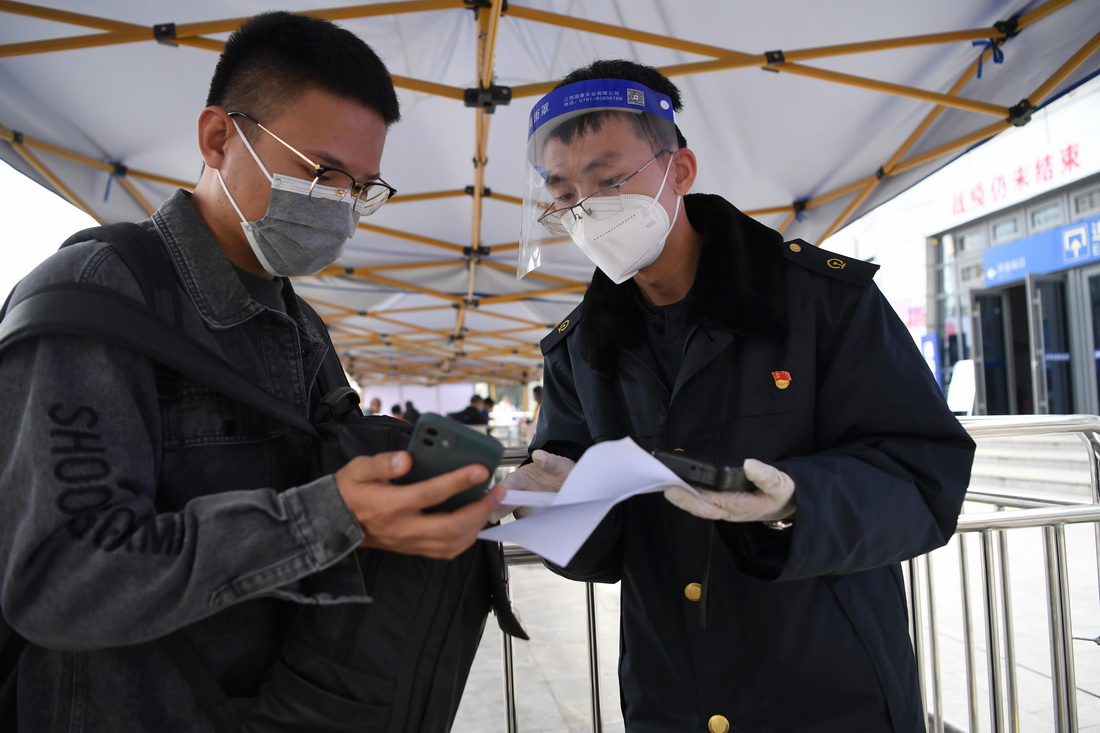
(792, 356)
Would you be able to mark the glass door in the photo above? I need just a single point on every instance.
(992, 363)
(1048, 328)
(1092, 316)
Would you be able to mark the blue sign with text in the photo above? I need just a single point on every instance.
(1058, 249)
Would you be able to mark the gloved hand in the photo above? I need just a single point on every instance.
(770, 498)
(545, 472)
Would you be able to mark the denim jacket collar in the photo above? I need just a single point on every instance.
(205, 272)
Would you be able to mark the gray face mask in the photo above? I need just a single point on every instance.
(302, 232)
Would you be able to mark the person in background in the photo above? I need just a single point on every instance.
(533, 423)
(395, 411)
(779, 606)
(411, 413)
(375, 407)
(473, 414)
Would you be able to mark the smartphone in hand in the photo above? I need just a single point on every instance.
(439, 444)
(701, 473)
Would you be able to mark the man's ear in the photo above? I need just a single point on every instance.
(215, 129)
(684, 169)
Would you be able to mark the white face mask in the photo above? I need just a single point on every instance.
(302, 232)
(627, 241)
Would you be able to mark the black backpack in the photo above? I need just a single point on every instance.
(396, 664)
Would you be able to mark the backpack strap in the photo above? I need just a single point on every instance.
(144, 254)
(81, 309)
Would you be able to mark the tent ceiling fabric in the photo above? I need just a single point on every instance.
(865, 98)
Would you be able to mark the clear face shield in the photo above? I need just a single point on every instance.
(561, 184)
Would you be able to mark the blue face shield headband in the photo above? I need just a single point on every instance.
(598, 95)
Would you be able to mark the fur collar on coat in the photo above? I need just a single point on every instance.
(739, 285)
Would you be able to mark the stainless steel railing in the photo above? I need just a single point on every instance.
(1013, 511)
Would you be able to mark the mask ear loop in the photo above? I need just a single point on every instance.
(255, 158)
(679, 198)
(251, 151)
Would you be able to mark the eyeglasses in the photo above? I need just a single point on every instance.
(603, 204)
(368, 196)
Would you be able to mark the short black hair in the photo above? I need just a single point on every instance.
(276, 56)
(661, 135)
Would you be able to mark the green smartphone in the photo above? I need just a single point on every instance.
(439, 444)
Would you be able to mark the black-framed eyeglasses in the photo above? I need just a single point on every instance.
(602, 204)
(368, 197)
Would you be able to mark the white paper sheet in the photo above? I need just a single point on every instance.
(606, 474)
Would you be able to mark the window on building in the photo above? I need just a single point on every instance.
(1006, 230)
(946, 278)
(971, 273)
(1046, 216)
(970, 241)
(1086, 203)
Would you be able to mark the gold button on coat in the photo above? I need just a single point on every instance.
(718, 724)
(794, 248)
(693, 591)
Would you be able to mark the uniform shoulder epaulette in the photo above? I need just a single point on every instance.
(560, 331)
(841, 267)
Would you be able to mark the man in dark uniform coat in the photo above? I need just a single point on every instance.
(781, 608)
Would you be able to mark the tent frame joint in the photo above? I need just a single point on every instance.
(1008, 28)
(487, 99)
(475, 253)
(774, 58)
(1020, 113)
(165, 34)
(477, 5)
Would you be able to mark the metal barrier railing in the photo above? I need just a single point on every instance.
(1027, 511)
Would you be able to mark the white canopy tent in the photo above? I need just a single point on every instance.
(804, 114)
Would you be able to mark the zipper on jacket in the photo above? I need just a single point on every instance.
(687, 339)
(651, 372)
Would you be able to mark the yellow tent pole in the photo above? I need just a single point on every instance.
(900, 90)
(56, 182)
(962, 142)
(411, 237)
(126, 183)
(929, 39)
(534, 275)
(427, 87)
(1066, 69)
(402, 198)
(399, 285)
(351, 271)
(512, 297)
(786, 222)
(1042, 11)
(505, 197)
(888, 167)
(627, 34)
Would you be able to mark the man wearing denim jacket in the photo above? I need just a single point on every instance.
(138, 502)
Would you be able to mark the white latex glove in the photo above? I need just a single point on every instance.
(771, 497)
(545, 472)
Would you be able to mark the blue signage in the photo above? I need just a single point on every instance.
(1057, 249)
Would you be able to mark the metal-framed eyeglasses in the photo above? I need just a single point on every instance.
(368, 197)
(602, 204)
